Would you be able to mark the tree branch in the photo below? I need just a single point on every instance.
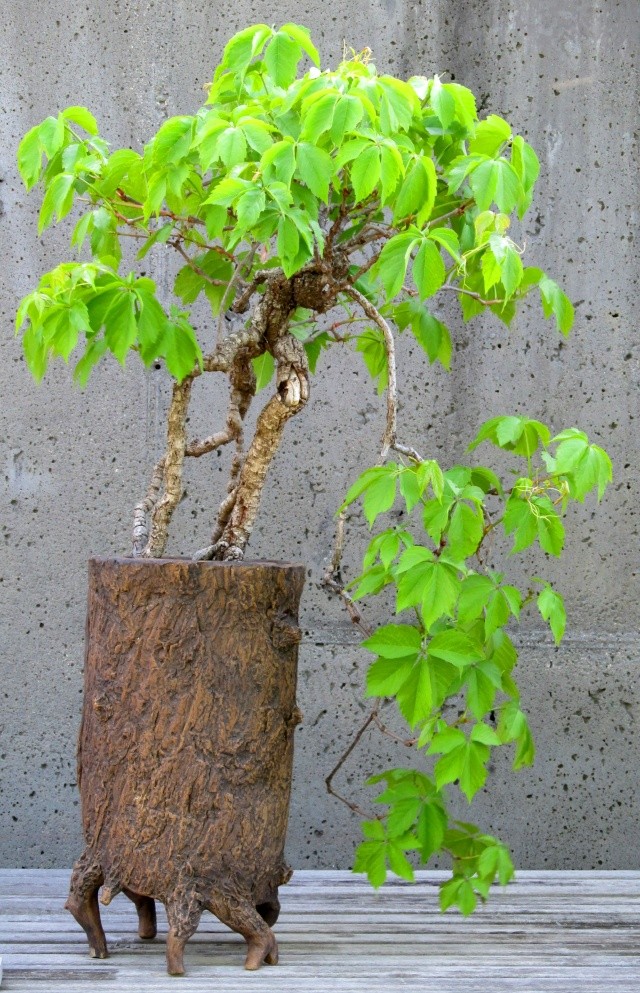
(389, 436)
(172, 469)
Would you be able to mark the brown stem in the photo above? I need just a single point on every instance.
(172, 469)
(389, 435)
(144, 508)
(292, 396)
(332, 579)
(196, 268)
(356, 808)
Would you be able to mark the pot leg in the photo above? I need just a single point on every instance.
(86, 879)
(184, 910)
(146, 907)
(242, 917)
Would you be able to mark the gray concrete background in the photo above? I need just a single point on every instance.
(73, 464)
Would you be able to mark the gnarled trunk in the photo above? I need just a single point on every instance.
(186, 745)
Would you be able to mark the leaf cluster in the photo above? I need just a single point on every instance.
(275, 170)
(450, 648)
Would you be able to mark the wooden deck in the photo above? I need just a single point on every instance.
(550, 932)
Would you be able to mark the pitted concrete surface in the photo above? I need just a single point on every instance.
(73, 464)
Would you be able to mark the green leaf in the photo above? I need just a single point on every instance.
(551, 607)
(371, 345)
(398, 862)
(498, 612)
(347, 114)
(525, 162)
(428, 269)
(52, 134)
(442, 102)
(432, 585)
(430, 828)
(244, 45)
(456, 647)
(314, 347)
(365, 173)
(302, 36)
(520, 520)
(116, 169)
(152, 326)
(430, 333)
(279, 161)
(228, 191)
(367, 479)
(514, 434)
(370, 858)
(391, 267)
(249, 207)
(379, 497)
(549, 525)
(315, 168)
(465, 531)
(386, 676)
(474, 596)
(463, 759)
(121, 330)
(58, 200)
(555, 302)
(35, 352)
(584, 465)
(513, 726)
(483, 680)
(172, 143)
(281, 58)
(232, 148)
(95, 349)
(495, 180)
(264, 368)
(417, 193)
(491, 134)
(394, 641)
(317, 115)
(414, 697)
(509, 263)
(448, 239)
(391, 169)
(30, 157)
(83, 117)
(180, 347)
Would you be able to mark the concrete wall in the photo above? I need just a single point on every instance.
(74, 463)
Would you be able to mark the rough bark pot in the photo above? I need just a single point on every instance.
(186, 746)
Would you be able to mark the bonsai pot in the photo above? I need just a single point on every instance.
(186, 746)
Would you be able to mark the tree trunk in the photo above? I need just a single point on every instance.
(186, 745)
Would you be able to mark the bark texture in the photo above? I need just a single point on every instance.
(186, 745)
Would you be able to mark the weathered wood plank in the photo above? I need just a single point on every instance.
(548, 933)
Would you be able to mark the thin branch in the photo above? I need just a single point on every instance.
(389, 436)
(470, 293)
(408, 451)
(383, 729)
(244, 265)
(460, 209)
(332, 579)
(198, 447)
(356, 808)
(196, 268)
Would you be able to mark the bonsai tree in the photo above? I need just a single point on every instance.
(329, 210)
